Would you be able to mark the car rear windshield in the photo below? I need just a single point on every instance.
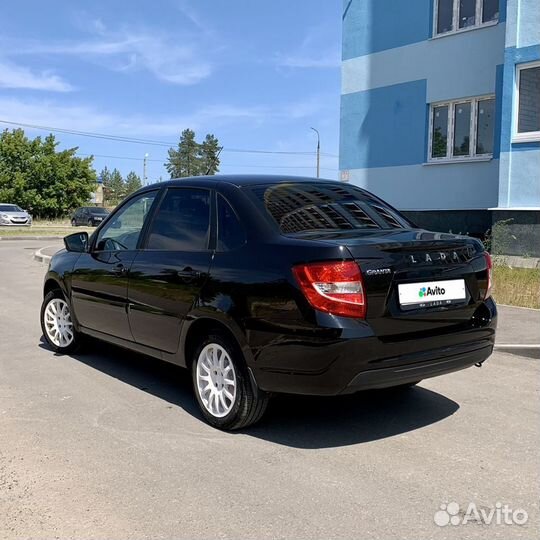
(98, 210)
(9, 208)
(300, 207)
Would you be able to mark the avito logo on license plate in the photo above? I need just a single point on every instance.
(431, 293)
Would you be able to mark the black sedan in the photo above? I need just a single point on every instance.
(269, 284)
(91, 216)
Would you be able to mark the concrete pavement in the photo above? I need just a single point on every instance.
(108, 444)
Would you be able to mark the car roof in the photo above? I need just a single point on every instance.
(239, 180)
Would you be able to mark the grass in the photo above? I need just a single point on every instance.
(59, 227)
(517, 286)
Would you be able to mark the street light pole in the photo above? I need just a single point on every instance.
(318, 151)
(144, 169)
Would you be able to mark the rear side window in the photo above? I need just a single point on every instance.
(231, 233)
(182, 221)
(304, 207)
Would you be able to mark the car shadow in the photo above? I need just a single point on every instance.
(297, 421)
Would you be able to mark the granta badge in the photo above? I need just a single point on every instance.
(378, 271)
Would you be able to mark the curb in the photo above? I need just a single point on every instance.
(530, 351)
(41, 257)
(2, 238)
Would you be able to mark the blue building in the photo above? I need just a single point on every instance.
(440, 111)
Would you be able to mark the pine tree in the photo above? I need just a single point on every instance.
(105, 176)
(185, 160)
(114, 187)
(133, 183)
(209, 153)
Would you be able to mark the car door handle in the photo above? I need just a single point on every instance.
(188, 273)
(119, 269)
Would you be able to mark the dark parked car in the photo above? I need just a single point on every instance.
(92, 216)
(265, 284)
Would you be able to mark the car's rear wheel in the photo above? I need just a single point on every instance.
(90, 223)
(226, 395)
(57, 323)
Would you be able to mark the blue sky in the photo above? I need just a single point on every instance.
(256, 74)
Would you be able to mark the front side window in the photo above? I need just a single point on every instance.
(462, 129)
(122, 232)
(231, 233)
(528, 102)
(182, 221)
(455, 15)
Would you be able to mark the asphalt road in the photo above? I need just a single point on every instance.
(109, 444)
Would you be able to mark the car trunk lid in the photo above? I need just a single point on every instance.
(418, 258)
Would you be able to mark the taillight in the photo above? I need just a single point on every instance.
(489, 264)
(333, 287)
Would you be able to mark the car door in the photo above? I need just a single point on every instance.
(167, 275)
(100, 277)
(77, 216)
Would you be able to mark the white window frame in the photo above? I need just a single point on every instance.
(455, 19)
(473, 131)
(527, 136)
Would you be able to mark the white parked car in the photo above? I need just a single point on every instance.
(13, 215)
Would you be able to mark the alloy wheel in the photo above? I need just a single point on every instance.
(58, 323)
(216, 380)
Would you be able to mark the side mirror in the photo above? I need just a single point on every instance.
(77, 242)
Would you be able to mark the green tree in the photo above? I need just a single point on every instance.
(133, 183)
(114, 187)
(105, 175)
(37, 177)
(191, 158)
(209, 154)
(185, 160)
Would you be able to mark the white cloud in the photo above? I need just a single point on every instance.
(313, 52)
(15, 76)
(167, 58)
(87, 118)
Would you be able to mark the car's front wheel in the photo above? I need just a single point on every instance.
(73, 223)
(57, 323)
(226, 395)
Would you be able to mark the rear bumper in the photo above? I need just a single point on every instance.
(341, 366)
(442, 361)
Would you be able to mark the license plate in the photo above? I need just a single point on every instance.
(431, 293)
(98, 219)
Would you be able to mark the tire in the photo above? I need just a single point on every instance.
(89, 223)
(73, 223)
(235, 404)
(65, 339)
